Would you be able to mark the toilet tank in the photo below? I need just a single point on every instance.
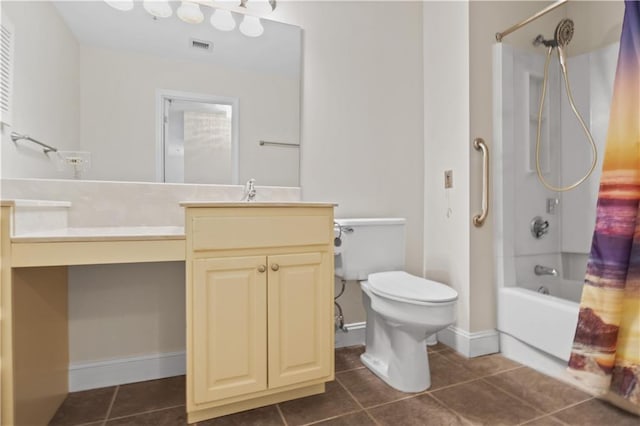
(369, 245)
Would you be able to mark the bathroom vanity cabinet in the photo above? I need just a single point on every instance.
(259, 304)
(259, 283)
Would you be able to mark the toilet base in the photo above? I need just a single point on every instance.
(419, 381)
(396, 339)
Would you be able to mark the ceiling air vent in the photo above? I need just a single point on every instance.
(203, 45)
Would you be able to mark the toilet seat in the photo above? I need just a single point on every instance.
(401, 286)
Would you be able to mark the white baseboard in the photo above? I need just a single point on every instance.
(92, 375)
(470, 344)
(355, 335)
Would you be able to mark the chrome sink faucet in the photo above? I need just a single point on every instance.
(250, 190)
(545, 270)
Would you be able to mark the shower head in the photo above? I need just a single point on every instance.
(561, 36)
(564, 32)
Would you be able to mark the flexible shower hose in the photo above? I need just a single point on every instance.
(594, 151)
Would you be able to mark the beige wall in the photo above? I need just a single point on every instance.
(126, 310)
(118, 122)
(446, 127)
(45, 90)
(362, 114)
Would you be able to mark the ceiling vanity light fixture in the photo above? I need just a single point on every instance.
(123, 5)
(221, 17)
(158, 8)
(222, 20)
(190, 12)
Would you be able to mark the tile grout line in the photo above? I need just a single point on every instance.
(366, 410)
(113, 401)
(451, 409)
(523, 400)
(505, 371)
(480, 375)
(349, 393)
(371, 417)
(540, 418)
(506, 392)
(315, 422)
(356, 400)
(88, 423)
(351, 369)
(426, 392)
(562, 409)
(284, 421)
(147, 412)
(430, 391)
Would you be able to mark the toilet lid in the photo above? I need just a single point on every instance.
(406, 286)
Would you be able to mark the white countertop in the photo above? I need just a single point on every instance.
(255, 204)
(103, 233)
(34, 203)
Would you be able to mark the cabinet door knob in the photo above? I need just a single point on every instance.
(262, 268)
(275, 267)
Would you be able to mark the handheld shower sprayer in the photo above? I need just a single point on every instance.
(564, 32)
(561, 38)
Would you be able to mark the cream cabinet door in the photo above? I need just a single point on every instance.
(229, 327)
(300, 309)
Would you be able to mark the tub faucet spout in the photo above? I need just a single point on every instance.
(545, 270)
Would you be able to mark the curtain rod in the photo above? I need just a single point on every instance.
(500, 36)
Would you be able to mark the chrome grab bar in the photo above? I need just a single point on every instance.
(480, 145)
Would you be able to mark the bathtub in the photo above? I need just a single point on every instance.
(537, 329)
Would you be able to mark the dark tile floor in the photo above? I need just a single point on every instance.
(489, 390)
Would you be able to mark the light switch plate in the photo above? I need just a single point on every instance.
(448, 179)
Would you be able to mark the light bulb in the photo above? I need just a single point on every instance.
(190, 13)
(222, 20)
(251, 26)
(123, 5)
(158, 8)
(259, 7)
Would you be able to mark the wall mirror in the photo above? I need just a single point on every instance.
(159, 99)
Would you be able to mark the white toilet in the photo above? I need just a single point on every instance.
(402, 309)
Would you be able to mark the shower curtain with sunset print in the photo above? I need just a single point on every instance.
(606, 351)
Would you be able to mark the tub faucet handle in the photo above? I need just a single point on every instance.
(539, 227)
